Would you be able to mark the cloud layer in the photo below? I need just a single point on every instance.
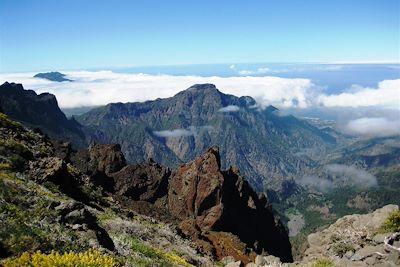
(102, 87)
(373, 127)
(94, 88)
(337, 175)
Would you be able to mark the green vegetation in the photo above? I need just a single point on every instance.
(16, 153)
(392, 223)
(90, 258)
(342, 248)
(155, 257)
(7, 123)
(28, 224)
(323, 263)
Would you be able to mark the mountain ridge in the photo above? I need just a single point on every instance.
(197, 118)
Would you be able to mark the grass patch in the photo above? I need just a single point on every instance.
(392, 223)
(342, 248)
(90, 258)
(323, 263)
(156, 257)
(7, 123)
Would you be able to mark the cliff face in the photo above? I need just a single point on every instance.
(206, 198)
(216, 209)
(39, 111)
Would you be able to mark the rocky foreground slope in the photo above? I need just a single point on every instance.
(371, 239)
(54, 198)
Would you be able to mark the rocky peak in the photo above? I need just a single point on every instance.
(206, 198)
(204, 86)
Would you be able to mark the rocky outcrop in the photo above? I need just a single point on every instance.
(222, 201)
(217, 209)
(99, 162)
(354, 240)
(146, 182)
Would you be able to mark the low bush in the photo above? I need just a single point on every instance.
(90, 258)
(392, 223)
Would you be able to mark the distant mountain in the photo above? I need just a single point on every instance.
(265, 145)
(53, 76)
(39, 111)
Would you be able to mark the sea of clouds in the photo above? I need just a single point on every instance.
(94, 88)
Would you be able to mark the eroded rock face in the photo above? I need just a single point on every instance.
(195, 190)
(99, 162)
(215, 200)
(147, 181)
(217, 209)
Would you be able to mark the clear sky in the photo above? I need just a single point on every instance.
(77, 34)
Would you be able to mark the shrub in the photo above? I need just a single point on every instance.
(157, 256)
(6, 122)
(90, 258)
(323, 263)
(5, 167)
(392, 223)
(341, 248)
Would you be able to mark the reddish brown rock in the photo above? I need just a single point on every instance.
(195, 190)
(215, 200)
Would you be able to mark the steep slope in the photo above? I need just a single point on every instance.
(92, 199)
(47, 204)
(39, 111)
(261, 143)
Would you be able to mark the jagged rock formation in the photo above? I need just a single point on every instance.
(47, 204)
(39, 111)
(207, 204)
(207, 199)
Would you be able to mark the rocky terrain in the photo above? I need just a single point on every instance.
(142, 214)
(371, 239)
(216, 209)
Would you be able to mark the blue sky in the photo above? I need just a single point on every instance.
(48, 34)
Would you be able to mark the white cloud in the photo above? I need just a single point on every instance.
(290, 69)
(174, 133)
(253, 72)
(232, 67)
(350, 175)
(190, 131)
(337, 175)
(386, 95)
(373, 127)
(230, 108)
(93, 88)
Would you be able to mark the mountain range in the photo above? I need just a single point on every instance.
(264, 144)
(161, 157)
